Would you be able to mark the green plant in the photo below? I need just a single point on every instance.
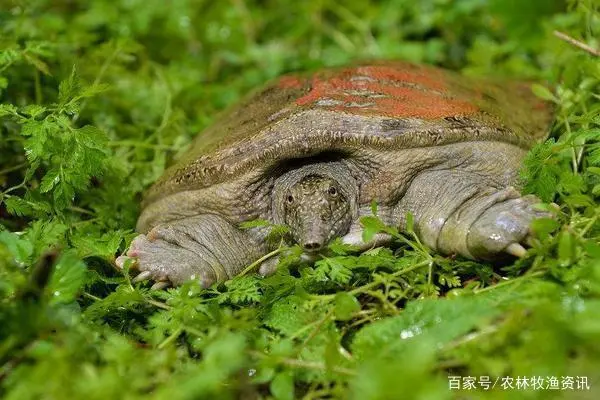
(97, 97)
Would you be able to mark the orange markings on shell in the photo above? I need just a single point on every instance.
(290, 82)
(540, 105)
(427, 77)
(403, 91)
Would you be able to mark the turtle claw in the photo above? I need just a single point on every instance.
(142, 276)
(121, 260)
(516, 250)
(160, 285)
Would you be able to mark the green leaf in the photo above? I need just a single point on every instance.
(287, 315)
(566, 247)
(339, 248)
(105, 245)
(594, 170)
(571, 183)
(241, 290)
(334, 269)
(231, 340)
(45, 234)
(67, 278)
(541, 171)
(346, 305)
(94, 90)
(222, 358)
(20, 249)
(33, 110)
(69, 88)
(282, 386)
(543, 227)
(374, 207)
(7, 109)
(91, 138)
(371, 226)
(543, 92)
(423, 322)
(23, 207)
(593, 249)
(51, 179)
(37, 63)
(578, 200)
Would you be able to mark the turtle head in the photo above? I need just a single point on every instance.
(316, 210)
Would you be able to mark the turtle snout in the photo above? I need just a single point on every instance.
(315, 236)
(312, 246)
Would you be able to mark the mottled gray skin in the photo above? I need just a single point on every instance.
(291, 157)
(316, 211)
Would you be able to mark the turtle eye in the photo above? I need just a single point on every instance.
(332, 191)
(290, 199)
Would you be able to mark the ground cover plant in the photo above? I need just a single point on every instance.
(97, 97)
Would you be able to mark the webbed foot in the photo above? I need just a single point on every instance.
(206, 248)
(504, 227)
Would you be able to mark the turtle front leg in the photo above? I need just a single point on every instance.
(456, 212)
(206, 247)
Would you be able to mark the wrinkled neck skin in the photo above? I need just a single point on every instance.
(302, 200)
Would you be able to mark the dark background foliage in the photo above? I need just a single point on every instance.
(97, 97)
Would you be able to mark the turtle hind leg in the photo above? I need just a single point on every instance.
(205, 247)
(458, 212)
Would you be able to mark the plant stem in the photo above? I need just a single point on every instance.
(577, 43)
(99, 77)
(171, 338)
(264, 258)
(397, 273)
(91, 296)
(193, 331)
(38, 87)
(588, 226)
(81, 210)
(295, 363)
(316, 329)
(510, 281)
(158, 304)
(370, 285)
(13, 168)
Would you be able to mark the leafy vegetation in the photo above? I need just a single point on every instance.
(97, 97)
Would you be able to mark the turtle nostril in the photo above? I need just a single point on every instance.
(312, 246)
